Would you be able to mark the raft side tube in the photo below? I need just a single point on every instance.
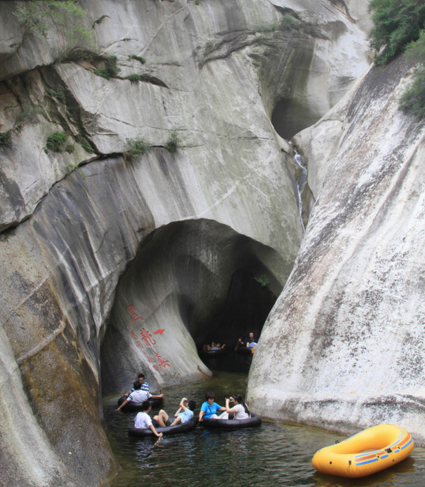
(229, 424)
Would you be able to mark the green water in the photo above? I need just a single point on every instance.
(272, 454)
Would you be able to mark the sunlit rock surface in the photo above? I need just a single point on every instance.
(78, 225)
(344, 346)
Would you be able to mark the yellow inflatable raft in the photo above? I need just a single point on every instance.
(365, 453)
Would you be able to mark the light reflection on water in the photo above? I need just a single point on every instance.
(273, 454)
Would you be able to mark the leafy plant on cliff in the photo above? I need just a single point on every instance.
(137, 147)
(399, 26)
(262, 280)
(66, 15)
(56, 141)
(397, 23)
(139, 58)
(110, 70)
(173, 142)
(134, 78)
(288, 22)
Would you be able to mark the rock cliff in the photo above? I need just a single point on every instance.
(111, 260)
(347, 331)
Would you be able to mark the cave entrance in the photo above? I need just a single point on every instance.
(245, 309)
(191, 282)
(291, 115)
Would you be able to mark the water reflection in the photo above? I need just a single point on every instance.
(273, 454)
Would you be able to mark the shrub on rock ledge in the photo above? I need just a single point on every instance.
(56, 141)
(137, 146)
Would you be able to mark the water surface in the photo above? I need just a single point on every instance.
(272, 454)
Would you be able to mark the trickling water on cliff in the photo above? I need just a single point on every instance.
(301, 182)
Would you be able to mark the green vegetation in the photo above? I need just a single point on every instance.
(66, 15)
(110, 70)
(286, 23)
(262, 280)
(5, 138)
(399, 26)
(79, 55)
(87, 147)
(413, 99)
(173, 142)
(56, 141)
(134, 77)
(59, 95)
(397, 23)
(70, 148)
(137, 146)
(139, 58)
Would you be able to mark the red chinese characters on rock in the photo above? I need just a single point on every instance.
(146, 339)
(162, 362)
(132, 310)
(134, 336)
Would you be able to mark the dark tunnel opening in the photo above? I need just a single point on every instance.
(290, 116)
(197, 281)
(246, 307)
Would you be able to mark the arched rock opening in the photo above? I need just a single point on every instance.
(190, 282)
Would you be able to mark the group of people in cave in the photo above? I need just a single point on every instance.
(140, 396)
(248, 342)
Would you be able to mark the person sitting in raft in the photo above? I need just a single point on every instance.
(183, 415)
(210, 408)
(145, 385)
(213, 346)
(138, 396)
(247, 342)
(240, 410)
(185, 412)
(143, 420)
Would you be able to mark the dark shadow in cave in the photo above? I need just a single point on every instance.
(290, 116)
(198, 276)
(245, 310)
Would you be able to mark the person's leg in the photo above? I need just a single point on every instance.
(224, 415)
(177, 421)
(162, 418)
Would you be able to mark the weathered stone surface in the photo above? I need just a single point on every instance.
(347, 331)
(225, 199)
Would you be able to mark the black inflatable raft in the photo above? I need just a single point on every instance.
(231, 424)
(168, 430)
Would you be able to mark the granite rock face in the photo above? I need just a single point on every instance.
(92, 240)
(347, 331)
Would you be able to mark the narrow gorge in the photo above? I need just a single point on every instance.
(114, 261)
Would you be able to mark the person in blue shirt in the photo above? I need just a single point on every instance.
(209, 408)
(183, 414)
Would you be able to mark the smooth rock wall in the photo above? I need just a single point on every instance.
(347, 330)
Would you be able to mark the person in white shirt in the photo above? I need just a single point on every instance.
(143, 420)
(240, 409)
(138, 396)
